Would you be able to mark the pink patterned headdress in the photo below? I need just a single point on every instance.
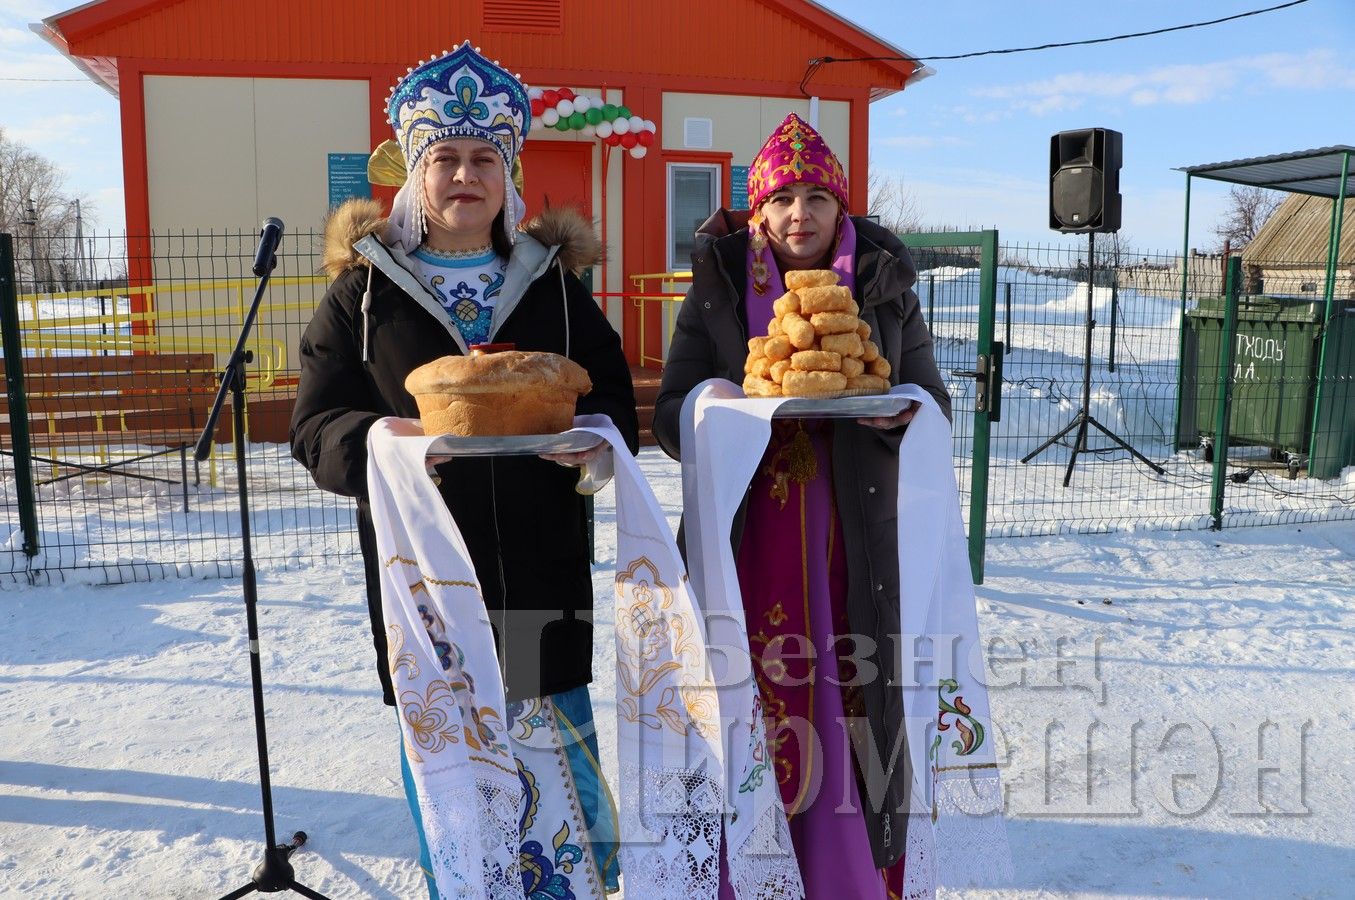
(795, 153)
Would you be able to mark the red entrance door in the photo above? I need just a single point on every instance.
(558, 173)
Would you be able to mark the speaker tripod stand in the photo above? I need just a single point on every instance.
(1084, 420)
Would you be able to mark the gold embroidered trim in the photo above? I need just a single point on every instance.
(991, 765)
(428, 578)
(499, 766)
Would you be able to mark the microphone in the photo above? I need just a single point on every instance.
(265, 258)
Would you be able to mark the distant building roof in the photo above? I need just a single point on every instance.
(1299, 232)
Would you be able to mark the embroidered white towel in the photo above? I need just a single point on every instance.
(451, 693)
(724, 436)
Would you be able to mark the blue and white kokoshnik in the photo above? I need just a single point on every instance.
(460, 94)
(457, 95)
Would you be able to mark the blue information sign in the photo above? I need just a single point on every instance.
(738, 187)
(347, 177)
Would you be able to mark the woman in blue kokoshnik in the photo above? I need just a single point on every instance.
(454, 266)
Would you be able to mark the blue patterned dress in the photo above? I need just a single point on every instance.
(567, 820)
(466, 284)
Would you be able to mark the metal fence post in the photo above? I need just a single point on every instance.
(931, 305)
(1320, 464)
(1232, 279)
(1114, 315)
(1181, 336)
(983, 415)
(1008, 348)
(18, 401)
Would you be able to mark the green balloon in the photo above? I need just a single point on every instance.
(577, 121)
(593, 116)
(609, 111)
(563, 124)
(623, 112)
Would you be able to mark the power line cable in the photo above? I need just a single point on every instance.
(815, 63)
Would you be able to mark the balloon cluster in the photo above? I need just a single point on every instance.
(614, 125)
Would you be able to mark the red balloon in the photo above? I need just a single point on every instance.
(550, 97)
(612, 140)
(565, 94)
(538, 107)
(629, 140)
(646, 138)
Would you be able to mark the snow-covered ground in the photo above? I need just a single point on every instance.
(1174, 706)
(1174, 712)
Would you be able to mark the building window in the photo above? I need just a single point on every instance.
(693, 194)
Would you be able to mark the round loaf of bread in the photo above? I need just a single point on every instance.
(510, 392)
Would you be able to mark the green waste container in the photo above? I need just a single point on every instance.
(1275, 359)
(1274, 363)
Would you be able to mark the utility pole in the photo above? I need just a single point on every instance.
(31, 220)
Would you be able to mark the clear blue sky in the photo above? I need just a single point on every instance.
(971, 143)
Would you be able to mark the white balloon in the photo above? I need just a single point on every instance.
(604, 129)
(549, 118)
(638, 151)
(582, 103)
(589, 130)
(621, 126)
(650, 126)
(534, 93)
(565, 108)
(637, 124)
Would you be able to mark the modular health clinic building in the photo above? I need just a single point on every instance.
(234, 110)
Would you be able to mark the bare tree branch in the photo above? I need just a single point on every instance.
(1249, 208)
(35, 207)
(897, 209)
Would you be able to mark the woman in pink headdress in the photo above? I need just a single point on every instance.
(816, 538)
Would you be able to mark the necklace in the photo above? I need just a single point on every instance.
(474, 253)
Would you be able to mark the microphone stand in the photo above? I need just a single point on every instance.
(275, 873)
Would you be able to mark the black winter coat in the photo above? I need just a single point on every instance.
(523, 523)
(710, 340)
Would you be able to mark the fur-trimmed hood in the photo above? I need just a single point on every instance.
(562, 227)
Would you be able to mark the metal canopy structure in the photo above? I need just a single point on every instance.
(1321, 172)
(1324, 172)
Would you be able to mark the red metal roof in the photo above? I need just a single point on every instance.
(769, 41)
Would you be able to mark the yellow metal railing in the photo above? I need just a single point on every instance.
(47, 334)
(670, 300)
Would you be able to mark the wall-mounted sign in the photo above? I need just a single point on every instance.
(347, 177)
(738, 187)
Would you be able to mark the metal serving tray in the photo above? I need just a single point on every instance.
(841, 407)
(513, 444)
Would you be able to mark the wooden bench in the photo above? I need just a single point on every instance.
(122, 409)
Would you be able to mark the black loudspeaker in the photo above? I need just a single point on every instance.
(1084, 180)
